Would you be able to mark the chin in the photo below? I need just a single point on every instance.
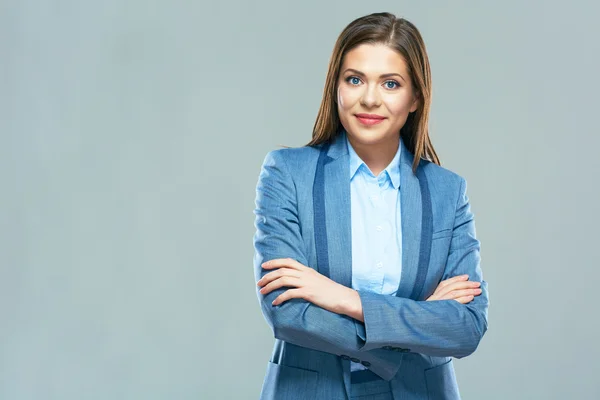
(368, 136)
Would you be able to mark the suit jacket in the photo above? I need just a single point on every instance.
(303, 212)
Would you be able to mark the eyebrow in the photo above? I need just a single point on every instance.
(357, 72)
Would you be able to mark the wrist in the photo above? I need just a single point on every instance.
(352, 305)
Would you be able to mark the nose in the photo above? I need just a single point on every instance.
(370, 96)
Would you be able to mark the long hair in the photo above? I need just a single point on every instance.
(402, 36)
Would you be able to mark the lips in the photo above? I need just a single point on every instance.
(370, 116)
(369, 119)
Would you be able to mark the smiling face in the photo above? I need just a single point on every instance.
(374, 97)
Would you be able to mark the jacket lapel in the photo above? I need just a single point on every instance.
(331, 202)
(411, 212)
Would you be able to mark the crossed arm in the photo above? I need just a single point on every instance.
(436, 328)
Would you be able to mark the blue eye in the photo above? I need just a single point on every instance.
(394, 83)
(353, 80)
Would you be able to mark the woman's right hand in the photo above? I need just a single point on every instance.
(458, 288)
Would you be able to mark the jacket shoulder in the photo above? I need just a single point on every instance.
(441, 180)
(295, 157)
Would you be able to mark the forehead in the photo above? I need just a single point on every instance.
(376, 59)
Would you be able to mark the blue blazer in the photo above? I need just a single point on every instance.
(303, 212)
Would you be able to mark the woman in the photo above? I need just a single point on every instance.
(366, 259)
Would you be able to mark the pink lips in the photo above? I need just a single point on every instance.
(369, 119)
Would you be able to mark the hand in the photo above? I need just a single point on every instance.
(306, 284)
(458, 288)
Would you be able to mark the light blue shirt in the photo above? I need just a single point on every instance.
(376, 227)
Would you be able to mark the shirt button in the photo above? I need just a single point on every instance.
(374, 198)
(379, 228)
(379, 264)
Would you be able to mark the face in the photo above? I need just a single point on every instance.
(374, 95)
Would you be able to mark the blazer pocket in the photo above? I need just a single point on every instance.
(441, 382)
(441, 234)
(283, 382)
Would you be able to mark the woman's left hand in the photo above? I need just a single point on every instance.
(309, 285)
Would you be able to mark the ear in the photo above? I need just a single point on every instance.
(416, 103)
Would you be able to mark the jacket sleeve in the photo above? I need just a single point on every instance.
(297, 321)
(435, 328)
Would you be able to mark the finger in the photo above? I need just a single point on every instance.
(271, 276)
(441, 293)
(282, 262)
(457, 278)
(290, 281)
(465, 299)
(433, 297)
(463, 285)
(455, 294)
(287, 295)
(457, 286)
(450, 281)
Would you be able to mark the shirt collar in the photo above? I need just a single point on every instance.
(392, 170)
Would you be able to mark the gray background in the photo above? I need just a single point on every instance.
(132, 134)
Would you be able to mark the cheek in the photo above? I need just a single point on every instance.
(345, 98)
(398, 106)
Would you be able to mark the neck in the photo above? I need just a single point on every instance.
(377, 156)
